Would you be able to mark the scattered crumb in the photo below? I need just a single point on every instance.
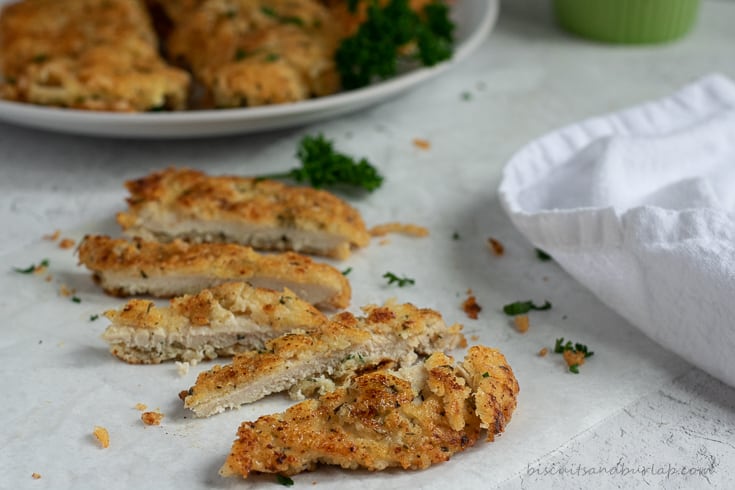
(141, 406)
(66, 291)
(495, 247)
(543, 352)
(151, 418)
(421, 143)
(471, 308)
(66, 243)
(49, 278)
(573, 358)
(182, 368)
(521, 322)
(384, 241)
(36, 476)
(402, 228)
(40, 269)
(102, 435)
(474, 338)
(52, 236)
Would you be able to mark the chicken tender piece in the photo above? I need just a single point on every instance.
(256, 52)
(126, 268)
(263, 214)
(86, 54)
(348, 344)
(410, 419)
(221, 321)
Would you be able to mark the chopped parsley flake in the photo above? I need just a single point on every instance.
(31, 268)
(347, 271)
(455, 236)
(574, 368)
(523, 307)
(93, 317)
(560, 347)
(284, 480)
(542, 256)
(401, 281)
(76, 299)
(485, 374)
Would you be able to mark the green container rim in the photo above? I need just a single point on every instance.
(627, 21)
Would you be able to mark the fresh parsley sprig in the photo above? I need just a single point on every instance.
(401, 281)
(322, 166)
(523, 307)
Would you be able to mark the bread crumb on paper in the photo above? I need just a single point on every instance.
(573, 358)
(65, 291)
(151, 418)
(182, 368)
(521, 323)
(495, 247)
(141, 407)
(52, 237)
(543, 352)
(102, 436)
(409, 229)
(421, 143)
(36, 476)
(470, 306)
(66, 243)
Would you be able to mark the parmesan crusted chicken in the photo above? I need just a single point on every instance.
(221, 321)
(255, 52)
(393, 332)
(86, 54)
(125, 268)
(264, 214)
(411, 418)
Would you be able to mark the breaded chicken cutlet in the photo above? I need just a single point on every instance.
(220, 321)
(393, 332)
(127, 268)
(410, 418)
(86, 54)
(255, 52)
(264, 214)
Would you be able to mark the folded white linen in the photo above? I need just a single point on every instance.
(639, 206)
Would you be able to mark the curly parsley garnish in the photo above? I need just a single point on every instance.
(32, 268)
(372, 53)
(523, 307)
(401, 281)
(322, 166)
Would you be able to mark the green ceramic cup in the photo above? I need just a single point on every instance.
(627, 21)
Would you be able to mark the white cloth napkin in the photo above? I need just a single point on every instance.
(639, 206)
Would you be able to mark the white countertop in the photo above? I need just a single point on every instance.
(528, 78)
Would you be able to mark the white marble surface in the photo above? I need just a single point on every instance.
(528, 79)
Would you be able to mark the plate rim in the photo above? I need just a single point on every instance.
(187, 124)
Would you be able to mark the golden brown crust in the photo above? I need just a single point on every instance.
(219, 321)
(378, 421)
(346, 345)
(86, 54)
(138, 267)
(296, 218)
(255, 52)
